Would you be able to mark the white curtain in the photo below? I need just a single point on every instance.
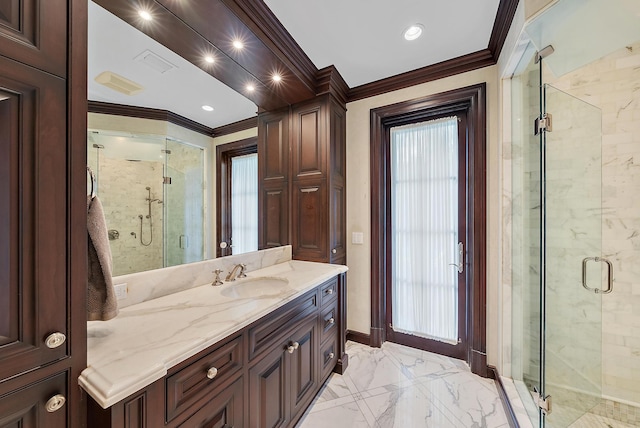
(424, 215)
(244, 203)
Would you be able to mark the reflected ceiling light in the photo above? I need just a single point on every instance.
(238, 44)
(207, 108)
(144, 14)
(413, 32)
(250, 87)
(209, 59)
(277, 78)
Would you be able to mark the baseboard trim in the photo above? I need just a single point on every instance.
(504, 398)
(356, 336)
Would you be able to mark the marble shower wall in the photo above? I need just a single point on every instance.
(613, 85)
(120, 177)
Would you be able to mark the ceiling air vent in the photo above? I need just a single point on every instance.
(155, 61)
(118, 83)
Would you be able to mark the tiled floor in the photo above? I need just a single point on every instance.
(397, 386)
(594, 421)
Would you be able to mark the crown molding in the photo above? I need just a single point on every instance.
(241, 125)
(501, 25)
(330, 81)
(148, 113)
(429, 73)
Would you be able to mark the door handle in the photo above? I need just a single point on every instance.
(460, 264)
(609, 274)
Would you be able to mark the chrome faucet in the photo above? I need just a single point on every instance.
(217, 281)
(234, 272)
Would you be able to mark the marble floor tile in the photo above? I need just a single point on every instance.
(347, 415)
(397, 386)
(473, 403)
(407, 407)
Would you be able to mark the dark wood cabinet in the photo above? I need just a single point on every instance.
(273, 173)
(42, 212)
(264, 376)
(303, 201)
(42, 404)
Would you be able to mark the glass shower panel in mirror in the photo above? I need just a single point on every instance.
(184, 207)
(131, 181)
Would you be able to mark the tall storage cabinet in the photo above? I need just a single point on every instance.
(315, 178)
(42, 213)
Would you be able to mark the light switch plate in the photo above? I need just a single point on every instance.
(122, 291)
(357, 238)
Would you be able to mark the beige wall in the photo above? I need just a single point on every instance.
(359, 204)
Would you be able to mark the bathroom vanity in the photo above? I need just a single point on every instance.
(249, 353)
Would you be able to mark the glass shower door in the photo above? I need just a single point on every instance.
(571, 346)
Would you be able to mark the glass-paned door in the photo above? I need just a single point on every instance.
(574, 272)
(184, 203)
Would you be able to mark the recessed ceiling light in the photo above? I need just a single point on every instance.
(144, 14)
(277, 77)
(207, 108)
(413, 32)
(209, 59)
(238, 44)
(250, 87)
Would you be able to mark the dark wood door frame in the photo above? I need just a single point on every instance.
(224, 153)
(472, 100)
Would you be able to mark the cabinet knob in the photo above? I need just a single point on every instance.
(293, 347)
(331, 355)
(212, 372)
(334, 251)
(331, 320)
(55, 403)
(329, 291)
(55, 339)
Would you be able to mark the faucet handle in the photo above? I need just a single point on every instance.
(217, 280)
(242, 271)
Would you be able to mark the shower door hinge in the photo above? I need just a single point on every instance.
(542, 124)
(166, 180)
(167, 151)
(544, 403)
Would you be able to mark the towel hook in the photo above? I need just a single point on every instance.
(93, 182)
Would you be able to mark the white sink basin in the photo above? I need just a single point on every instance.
(256, 288)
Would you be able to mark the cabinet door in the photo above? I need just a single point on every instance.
(33, 220)
(308, 143)
(304, 368)
(37, 406)
(223, 411)
(34, 32)
(310, 225)
(273, 170)
(269, 390)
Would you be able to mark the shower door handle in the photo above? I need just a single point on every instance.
(609, 274)
(460, 264)
(184, 242)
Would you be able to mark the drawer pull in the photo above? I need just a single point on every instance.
(212, 372)
(331, 320)
(334, 251)
(329, 291)
(55, 339)
(331, 355)
(292, 347)
(55, 403)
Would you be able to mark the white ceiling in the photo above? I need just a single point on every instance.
(363, 38)
(113, 45)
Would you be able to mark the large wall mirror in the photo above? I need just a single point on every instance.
(156, 180)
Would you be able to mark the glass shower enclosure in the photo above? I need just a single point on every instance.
(559, 273)
(152, 191)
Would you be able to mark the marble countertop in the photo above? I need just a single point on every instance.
(145, 340)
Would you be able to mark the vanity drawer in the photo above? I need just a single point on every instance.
(328, 292)
(328, 356)
(328, 321)
(271, 329)
(201, 378)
